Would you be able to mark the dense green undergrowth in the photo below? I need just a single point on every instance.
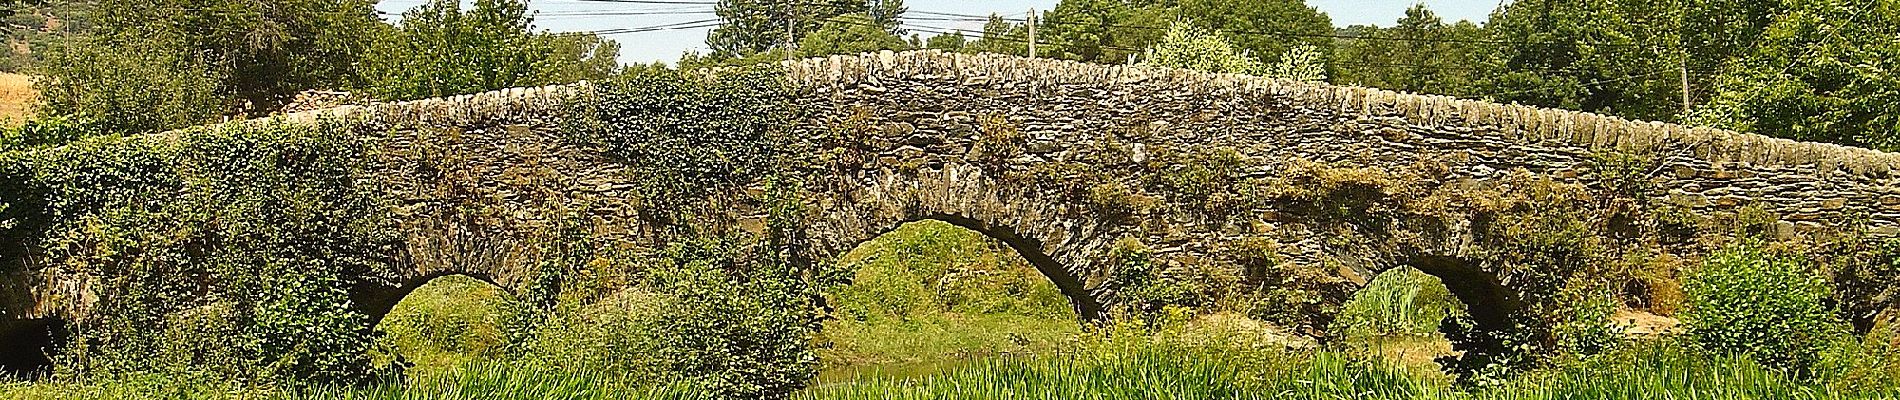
(938, 312)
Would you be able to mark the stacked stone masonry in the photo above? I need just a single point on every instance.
(507, 148)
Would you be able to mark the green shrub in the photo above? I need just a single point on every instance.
(48, 131)
(722, 314)
(740, 323)
(131, 87)
(1772, 307)
(438, 49)
(929, 267)
(226, 251)
(1402, 302)
(1142, 284)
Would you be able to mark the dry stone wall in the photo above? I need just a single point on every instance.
(1012, 147)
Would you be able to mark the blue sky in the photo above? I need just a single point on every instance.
(667, 45)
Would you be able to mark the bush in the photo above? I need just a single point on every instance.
(48, 131)
(224, 251)
(720, 314)
(1772, 307)
(129, 87)
(439, 49)
(1403, 301)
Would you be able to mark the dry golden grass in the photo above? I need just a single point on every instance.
(16, 97)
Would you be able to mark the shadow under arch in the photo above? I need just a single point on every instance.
(1487, 301)
(377, 304)
(1087, 307)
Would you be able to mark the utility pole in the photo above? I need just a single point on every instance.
(790, 10)
(1032, 33)
(1685, 87)
(1683, 69)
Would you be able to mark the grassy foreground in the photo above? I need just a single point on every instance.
(940, 313)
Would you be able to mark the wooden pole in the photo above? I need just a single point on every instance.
(1032, 33)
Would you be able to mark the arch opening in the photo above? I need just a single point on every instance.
(1085, 305)
(441, 321)
(930, 294)
(1401, 315)
(376, 303)
(1487, 302)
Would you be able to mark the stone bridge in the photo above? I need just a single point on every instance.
(1242, 185)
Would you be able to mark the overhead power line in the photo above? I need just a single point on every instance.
(704, 23)
(944, 16)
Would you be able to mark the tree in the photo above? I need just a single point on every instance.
(441, 50)
(1002, 37)
(1421, 54)
(1262, 27)
(264, 52)
(887, 14)
(1188, 47)
(1302, 63)
(578, 57)
(850, 34)
(129, 88)
(757, 26)
(1088, 30)
(1823, 72)
(947, 42)
(1714, 32)
(1609, 56)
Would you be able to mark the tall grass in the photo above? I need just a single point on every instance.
(1150, 368)
(1400, 302)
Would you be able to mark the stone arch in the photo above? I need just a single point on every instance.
(1060, 243)
(377, 304)
(1488, 302)
(1087, 306)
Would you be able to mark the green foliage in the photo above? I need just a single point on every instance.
(689, 136)
(1185, 46)
(130, 87)
(1001, 37)
(1667, 370)
(1597, 55)
(48, 131)
(1771, 307)
(1301, 63)
(1420, 54)
(741, 321)
(1399, 302)
(726, 316)
(751, 27)
(439, 49)
(1127, 362)
(850, 34)
(259, 54)
(1142, 284)
(1111, 31)
(930, 267)
(230, 251)
(1821, 71)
